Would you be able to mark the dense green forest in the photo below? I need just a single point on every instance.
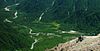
(19, 17)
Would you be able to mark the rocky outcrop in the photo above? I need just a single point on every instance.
(89, 43)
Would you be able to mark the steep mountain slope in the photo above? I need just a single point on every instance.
(82, 13)
(11, 38)
(79, 14)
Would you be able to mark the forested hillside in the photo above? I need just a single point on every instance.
(26, 22)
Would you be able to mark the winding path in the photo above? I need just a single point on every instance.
(6, 20)
(16, 15)
(32, 47)
(7, 8)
